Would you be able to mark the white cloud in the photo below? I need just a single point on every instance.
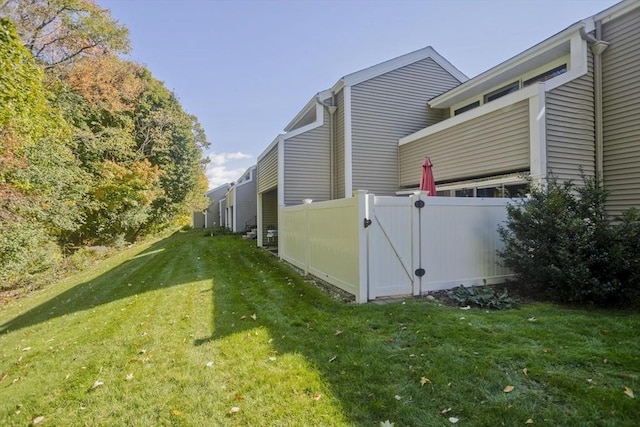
(220, 159)
(226, 167)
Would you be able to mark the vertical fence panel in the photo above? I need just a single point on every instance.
(459, 241)
(390, 246)
(324, 239)
(292, 236)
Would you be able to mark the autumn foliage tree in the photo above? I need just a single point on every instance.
(60, 31)
(94, 149)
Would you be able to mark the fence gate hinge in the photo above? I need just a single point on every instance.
(420, 272)
(419, 204)
(367, 222)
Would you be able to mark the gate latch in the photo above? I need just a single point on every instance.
(367, 222)
(419, 204)
(420, 272)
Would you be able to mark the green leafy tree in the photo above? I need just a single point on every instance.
(41, 185)
(57, 32)
(560, 243)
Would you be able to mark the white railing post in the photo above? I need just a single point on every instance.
(307, 243)
(363, 260)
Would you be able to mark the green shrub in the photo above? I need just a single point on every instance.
(560, 244)
(482, 296)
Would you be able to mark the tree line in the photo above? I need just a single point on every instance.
(93, 149)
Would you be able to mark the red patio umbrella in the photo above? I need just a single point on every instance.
(427, 183)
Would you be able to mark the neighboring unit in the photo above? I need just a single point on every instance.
(240, 202)
(345, 138)
(567, 106)
(212, 216)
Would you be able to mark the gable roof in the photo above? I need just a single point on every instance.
(375, 71)
(399, 62)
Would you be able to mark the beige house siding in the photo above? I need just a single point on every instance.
(268, 170)
(339, 146)
(306, 165)
(231, 196)
(269, 212)
(384, 109)
(621, 112)
(570, 128)
(492, 144)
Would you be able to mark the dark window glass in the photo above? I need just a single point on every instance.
(506, 90)
(546, 75)
(466, 108)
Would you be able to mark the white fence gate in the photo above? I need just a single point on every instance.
(374, 246)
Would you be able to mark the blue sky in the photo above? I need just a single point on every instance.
(246, 68)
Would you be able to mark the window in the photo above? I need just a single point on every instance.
(465, 192)
(546, 75)
(505, 90)
(466, 108)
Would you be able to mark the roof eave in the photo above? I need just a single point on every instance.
(445, 100)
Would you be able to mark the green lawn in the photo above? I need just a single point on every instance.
(194, 330)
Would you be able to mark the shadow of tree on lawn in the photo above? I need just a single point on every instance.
(157, 264)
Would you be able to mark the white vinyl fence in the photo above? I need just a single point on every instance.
(372, 246)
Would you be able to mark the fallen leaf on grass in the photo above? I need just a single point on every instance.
(398, 397)
(466, 308)
(629, 392)
(338, 332)
(525, 371)
(386, 424)
(234, 410)
(333, 358)
(97, 384)
(317, 396)
(547, 350)
(508, 389)
(453, 420)
(424, 380)
(37, 420)
(532, 319)
(209, 364)
(176, 413)
(446, 410)
(26, 349)
(529, 421)
(129, 377)
(254, 317)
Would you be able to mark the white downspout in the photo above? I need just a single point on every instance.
(597, 47)
(331, 109)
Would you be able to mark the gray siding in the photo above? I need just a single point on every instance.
(306, 165)
(570, 128)
(268, 171)
(621, 112)
(434, 115)
(213, 217)
(385, 109)
(493, 144)
(245, 204)
(339, 147)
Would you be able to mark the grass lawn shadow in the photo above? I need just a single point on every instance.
(157, 263)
